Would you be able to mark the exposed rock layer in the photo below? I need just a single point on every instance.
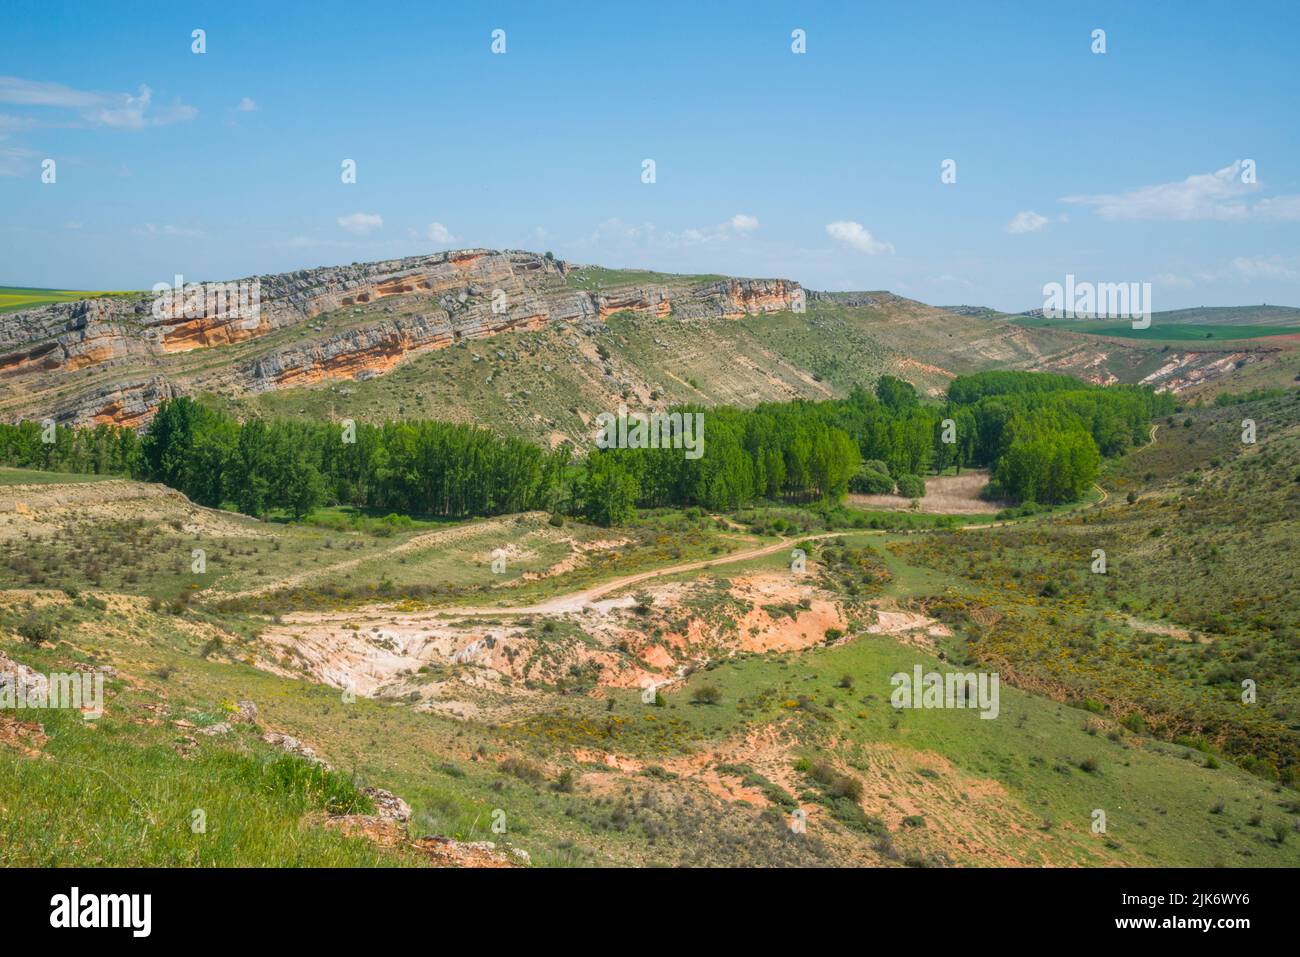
(333, 322)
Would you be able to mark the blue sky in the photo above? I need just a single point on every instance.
(822, 167)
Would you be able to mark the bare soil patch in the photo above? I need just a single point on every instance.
(944, 495)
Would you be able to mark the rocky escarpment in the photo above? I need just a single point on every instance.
(115, 359)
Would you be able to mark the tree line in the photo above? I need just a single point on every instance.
(1042, 437)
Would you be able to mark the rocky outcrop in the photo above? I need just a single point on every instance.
(291, 745)
(351, 321)
(727, 299)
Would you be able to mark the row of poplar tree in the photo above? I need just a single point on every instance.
(1042, 436)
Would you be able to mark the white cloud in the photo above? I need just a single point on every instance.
(10, 123)
(1272, 268)
(1243, 269)
(1026, 221)
(247, 105)
(1279, 208)
(438, 233)
(856, 235)
(72, 225)
(16, 160)
(127, 112)
(361, 223)
(114, 110)
(1220, 195)
(650, 236)
(153, 229)
(33, 93)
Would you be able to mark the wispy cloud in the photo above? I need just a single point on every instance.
(1221, 195)
(247, 105)
(166, 229)
(858, 237)
(1279, 208)
(438, 233)
(1242, 269)
(743, 223)
(34, 93)
(361, 223)
(12, 124)
(16, 160)
(651, 236)
(1026, 221)
(1273, 267)
(122, 111)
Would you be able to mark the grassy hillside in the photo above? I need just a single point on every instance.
(1201, 540)
(776, 689)
(547, 385)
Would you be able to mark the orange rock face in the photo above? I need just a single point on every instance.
(438, 299)
(759, 296)
(209, 331)
(639, 302)
(48, 356)
(376, 359)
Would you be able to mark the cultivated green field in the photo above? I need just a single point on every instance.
(13, 298)
(597, 277)
(9, 476)
(1159, 330)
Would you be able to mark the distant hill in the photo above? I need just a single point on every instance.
(1263, 315)
(13, 298)
(536, 347)
(1232, 316)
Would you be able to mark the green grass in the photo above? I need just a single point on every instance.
(1205, 552)
(119, 794)
(13, 298)
(597, 277)
(1160, 331)
(1021, 788)
(10, 476)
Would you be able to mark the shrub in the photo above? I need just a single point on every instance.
(523, 769)
(706, 694)
(911, 486)
(38, 628)
(870, 482)
(836, 784)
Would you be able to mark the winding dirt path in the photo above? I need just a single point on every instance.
(567, 603)
(1104, 494)
(576, 601)
(438, 536)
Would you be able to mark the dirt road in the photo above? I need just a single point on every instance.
(576, 601)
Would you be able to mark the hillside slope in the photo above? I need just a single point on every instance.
(774, 695)
(407, 337)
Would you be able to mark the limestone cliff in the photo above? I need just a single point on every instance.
(114, 359)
